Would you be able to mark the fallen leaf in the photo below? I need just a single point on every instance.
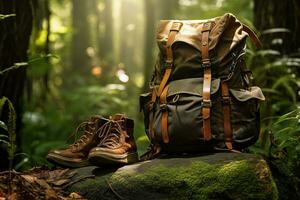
(43, 183)
(75, 195)
(29, 178)
(60, 182)
(71, 173)
(62, 172)
(13, 196)
(57, 174)
(2, 194)
(50, 194)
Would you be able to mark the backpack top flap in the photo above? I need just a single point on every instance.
(227, 32)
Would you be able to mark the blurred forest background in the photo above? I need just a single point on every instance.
(71, 59)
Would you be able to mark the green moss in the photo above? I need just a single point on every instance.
(220, 176)
(201, 180)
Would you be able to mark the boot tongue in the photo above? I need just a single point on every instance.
(95, 118)
(117, 117)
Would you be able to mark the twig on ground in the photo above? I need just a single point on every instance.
(113, 191)
(77, 180)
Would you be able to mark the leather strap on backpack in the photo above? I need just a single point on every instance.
(226, 115)
(168, 71)
(226, 98)
(252, 36)
(164, 117)
(169, 55)
(207, 81)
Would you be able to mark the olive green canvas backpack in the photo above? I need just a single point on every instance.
(201, 97)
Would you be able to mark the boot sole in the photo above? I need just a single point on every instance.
(67, 162)
(102, 158)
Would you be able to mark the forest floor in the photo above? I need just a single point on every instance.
(38, 183)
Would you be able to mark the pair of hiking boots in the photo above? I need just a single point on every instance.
(104, 141)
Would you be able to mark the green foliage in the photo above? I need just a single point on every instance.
(282, 148)
(283, 140)
(279, 140)
(286, 141)
(10, 128)
(280, 84)
(32, 62)
(277, 74)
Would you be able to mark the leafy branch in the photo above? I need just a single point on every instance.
(15, 66)
(22, 64)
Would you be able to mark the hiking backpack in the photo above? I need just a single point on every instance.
(201, 97)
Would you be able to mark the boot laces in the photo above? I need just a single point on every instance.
(87, 128)
(110, 134)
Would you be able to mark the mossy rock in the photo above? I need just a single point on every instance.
(215, 176)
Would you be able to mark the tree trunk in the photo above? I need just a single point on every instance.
(168, 8)
(107, 42)
(47, 46)
(270, 14)
(98, 16)
(14, 40)
(125, 49)
(80, 39)
(149, 42)
(129, 36)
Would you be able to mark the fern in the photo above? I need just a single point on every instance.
(10, 127)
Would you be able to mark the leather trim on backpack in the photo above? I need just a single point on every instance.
(206, 82)
(168, 71)
(226, 115)
(164, 117)
(252, 36)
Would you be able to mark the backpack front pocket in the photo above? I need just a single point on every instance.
(183, 108)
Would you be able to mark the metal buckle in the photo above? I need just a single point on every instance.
(206, 27)
(169, 64)
(176, 26)
(163, 107)
(226, 100)
(206, 63)
(206, 103)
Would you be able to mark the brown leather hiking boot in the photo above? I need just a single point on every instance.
(76, 154)
(117, 145)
